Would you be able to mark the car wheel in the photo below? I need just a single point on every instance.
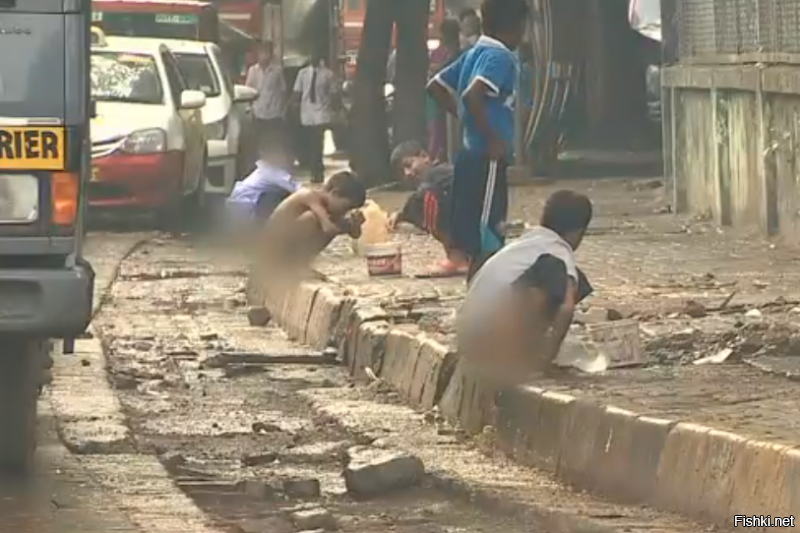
(194, 205)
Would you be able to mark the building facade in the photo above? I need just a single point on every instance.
(731, 111)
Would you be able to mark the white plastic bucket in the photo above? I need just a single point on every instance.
(384, 259)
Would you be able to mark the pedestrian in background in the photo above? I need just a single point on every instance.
(470, 27)
(266, 77)
(445, 53)
(317, 92)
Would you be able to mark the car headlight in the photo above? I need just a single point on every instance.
(217, 131)
(149, 141)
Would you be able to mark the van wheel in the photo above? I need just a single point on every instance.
(21, 370)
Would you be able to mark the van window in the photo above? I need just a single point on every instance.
(199, 73)
(224, 68)
(176, 83)
(32, 70)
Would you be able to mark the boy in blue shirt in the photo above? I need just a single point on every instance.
(479, 88)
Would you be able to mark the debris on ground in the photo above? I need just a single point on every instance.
(372, 471)
(314, 519)
(302, 488)
(717, 358)
(258, 316)
(256, 489)
(259, 459)
(694, 309)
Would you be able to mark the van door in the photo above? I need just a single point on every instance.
(193, 133)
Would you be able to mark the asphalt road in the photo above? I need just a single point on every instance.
(60, 496)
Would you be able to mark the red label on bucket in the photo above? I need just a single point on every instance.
(385, 265)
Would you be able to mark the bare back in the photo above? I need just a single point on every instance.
(293, 235)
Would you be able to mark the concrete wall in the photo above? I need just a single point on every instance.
(731, 137)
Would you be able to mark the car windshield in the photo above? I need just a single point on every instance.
(199, 73)
(124, 77)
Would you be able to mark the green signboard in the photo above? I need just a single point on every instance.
(176, 18)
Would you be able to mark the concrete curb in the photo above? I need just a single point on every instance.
(625, 456)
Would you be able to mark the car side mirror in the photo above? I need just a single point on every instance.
(244, 94)
(92, 109)
(192, 99)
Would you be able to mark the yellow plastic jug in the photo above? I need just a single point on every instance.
(375, 229)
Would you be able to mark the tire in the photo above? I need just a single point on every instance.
(21, 370)
(184, 212)
(194, 205)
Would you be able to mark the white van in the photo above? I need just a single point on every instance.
(202, 67)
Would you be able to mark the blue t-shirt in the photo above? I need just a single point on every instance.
(491, 62)
(264, 181)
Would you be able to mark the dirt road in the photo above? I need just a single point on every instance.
(259, 431)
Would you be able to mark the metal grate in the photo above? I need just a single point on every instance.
(696, 28)
(720, 27)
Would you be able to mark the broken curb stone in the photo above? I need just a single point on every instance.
(302, 488)
(172, 460)
(372, 471)
(314, 519)
(694, 309)
(259, 459)
(256, 489)
(258, 316)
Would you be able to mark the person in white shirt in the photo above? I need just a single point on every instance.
(266, 77)
(317, 92)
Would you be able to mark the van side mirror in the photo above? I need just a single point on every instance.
(243, 94)
(192, 99)
(92, 109)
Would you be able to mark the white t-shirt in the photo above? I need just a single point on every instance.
(320, 111)
(496, 277)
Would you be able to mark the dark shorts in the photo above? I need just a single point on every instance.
(469, 193)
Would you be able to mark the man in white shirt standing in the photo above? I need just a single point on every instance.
(266, 77)
(317, 92)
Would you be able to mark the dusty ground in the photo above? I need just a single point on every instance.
(232, 436)
(742, 291)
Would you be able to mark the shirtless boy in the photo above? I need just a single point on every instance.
(308, 220)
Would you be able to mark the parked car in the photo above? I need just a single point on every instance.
(148, 139)
(224, 114)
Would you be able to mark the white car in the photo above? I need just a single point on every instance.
(203, 69)
(148, 139)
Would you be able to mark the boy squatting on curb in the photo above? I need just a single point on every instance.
(292, 224)
(429, 207)
(519, 308)
(308, 220)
